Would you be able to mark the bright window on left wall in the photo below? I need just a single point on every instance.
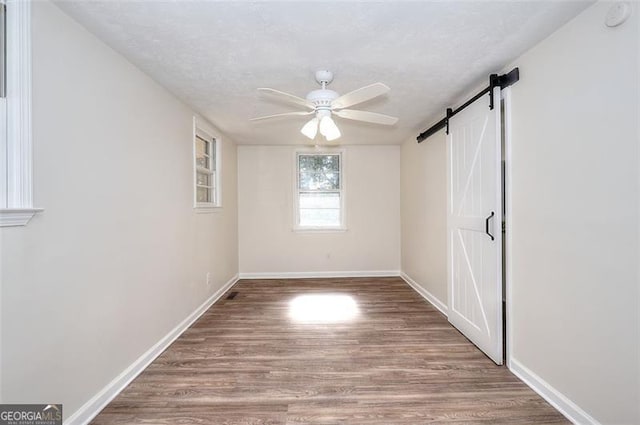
(16, 178)
(3, 103)
(206, 152)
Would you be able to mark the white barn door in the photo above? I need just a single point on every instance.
(474, 225)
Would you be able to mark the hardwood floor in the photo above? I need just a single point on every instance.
(398, 361)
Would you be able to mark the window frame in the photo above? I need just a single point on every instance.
(342, 226)
(4, 124)
(205, 132)
(16, 193)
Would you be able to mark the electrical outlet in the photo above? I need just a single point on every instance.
(208, 278)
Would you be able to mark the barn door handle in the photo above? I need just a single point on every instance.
(486, 225)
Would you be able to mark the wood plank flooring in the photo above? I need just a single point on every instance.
(398, 361)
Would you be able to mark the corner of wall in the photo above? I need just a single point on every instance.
(563, 404)
(432, 299)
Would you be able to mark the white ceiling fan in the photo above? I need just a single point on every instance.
(324, 103)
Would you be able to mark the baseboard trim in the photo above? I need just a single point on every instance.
(98, 402)
(307, 275)
(554, 397)
(433, 300)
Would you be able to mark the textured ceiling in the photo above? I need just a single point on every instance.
(213, 55)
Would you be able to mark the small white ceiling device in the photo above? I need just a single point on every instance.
(324, 103)
(618, 13)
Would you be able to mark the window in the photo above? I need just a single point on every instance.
(206, 169)
(3, 102)
(319, 190)
(16, 194)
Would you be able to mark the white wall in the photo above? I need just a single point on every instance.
(424, 213)
(575, 253)
(265, 202)
(575, 298)
(119, 257)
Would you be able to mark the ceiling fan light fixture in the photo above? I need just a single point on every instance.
(329, 129)
(324, 102)
(333, 135)
(310, 129)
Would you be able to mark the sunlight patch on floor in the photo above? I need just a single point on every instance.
(323, 308)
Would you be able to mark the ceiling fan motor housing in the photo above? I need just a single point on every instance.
(322, 98)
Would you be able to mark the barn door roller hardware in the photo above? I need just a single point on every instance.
(495, 80)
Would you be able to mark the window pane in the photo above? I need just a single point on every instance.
(319, 172)
(321, 180)
(202, 145)
(202, 150)
(202, 161)
(320, 209)
(319, 162)
(203, 179)
(203, 194)
(319, 217)
(320, 200)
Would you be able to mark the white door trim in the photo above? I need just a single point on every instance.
(508, 185)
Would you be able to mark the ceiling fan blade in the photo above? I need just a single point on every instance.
(286, 114)
(288, 97)
(371, 117)
(360, 95)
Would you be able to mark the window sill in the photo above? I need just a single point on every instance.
(207, 209)
(319, 229)
(10, 217)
